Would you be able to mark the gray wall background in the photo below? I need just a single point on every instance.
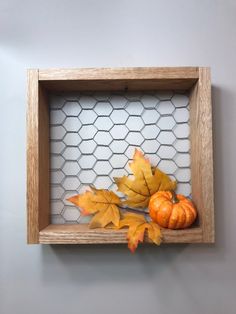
(108, 279)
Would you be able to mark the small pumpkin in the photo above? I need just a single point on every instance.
(171, 210)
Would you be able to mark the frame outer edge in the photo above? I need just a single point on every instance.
(207, 154)
(202, 153)
(32, 158)
(125, 73)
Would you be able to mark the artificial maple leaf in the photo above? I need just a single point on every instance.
(102, 204)
(147, 181)
(137, 225)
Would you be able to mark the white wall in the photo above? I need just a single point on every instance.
(179, 279)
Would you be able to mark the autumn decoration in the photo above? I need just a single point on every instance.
(171, 210)
(149, 193)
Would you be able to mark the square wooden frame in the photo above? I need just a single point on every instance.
(40, 82)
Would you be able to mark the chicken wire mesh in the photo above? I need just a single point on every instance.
(93, 137)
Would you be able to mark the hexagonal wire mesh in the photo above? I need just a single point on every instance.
(93, 137)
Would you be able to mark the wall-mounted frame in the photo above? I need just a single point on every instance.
(42, 82)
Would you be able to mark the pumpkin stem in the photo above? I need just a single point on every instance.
(174, 197)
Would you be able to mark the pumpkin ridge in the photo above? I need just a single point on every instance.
(173, 218)
(167, 204)
(184, 215)
(191, 209)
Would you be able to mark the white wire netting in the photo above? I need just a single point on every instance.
(93, 137)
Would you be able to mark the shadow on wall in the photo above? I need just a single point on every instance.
(94, 262)
(91, 263)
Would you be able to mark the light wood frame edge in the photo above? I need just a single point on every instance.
(118, 79)
(38, 189)
(81, 234)
(39, 229)
(202, 153)
(134, 73)
(32, 158)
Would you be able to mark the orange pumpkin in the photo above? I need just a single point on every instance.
(170, 210)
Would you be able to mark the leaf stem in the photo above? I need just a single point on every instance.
(135, 210)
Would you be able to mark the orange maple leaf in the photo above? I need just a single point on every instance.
(147, 181)
(102, 204)
(137, 225)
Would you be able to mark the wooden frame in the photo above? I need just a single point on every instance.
(40, 82)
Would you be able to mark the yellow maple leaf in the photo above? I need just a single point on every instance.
(102, 204)
(147, 181)
(137, 225)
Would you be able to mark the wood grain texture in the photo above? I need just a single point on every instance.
(81, 234)
(44, 160)
(32, 159)
(89, 74)
(37, 159)
(119, 85)
(202, 153)
(118, 79)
